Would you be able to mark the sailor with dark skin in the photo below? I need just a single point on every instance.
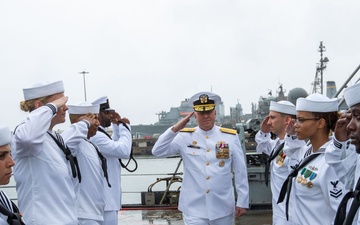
(343, 155)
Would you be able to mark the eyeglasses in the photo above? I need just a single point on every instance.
(300, 120)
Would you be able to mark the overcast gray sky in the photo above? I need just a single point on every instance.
(149, 55)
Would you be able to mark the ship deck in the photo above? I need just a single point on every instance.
(144, 216)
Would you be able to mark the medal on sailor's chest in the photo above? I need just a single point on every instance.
(280, 158)
(222, 152)
(306, 176)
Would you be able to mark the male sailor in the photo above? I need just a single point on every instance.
(280, 115)
(115, 147)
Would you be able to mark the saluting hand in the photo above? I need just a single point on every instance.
(341, 132)
(60, 102)
(91, 118)
(290, 128)
(182, 123)
(265, 127)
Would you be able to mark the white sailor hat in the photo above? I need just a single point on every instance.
(285, 107)
(352, 95)
(204, 101)
(317, 103)
(103, 102)
(43, 89)
(83, 108)
(5, 136)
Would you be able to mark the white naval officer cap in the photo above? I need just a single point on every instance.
(43, 89)
(204, 101)
(103, 102)
(83, 108)
(317, 103)
(284, 107)
(5, 136)
(352, 95)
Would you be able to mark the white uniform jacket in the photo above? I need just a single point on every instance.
(44, 183)
(317, 189)
(207, 189)
(280, 168)
(90, 196)
(119, 147)
(346, 163)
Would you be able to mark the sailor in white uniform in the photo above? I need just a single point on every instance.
(90, 195)
(44, 179)
(211, 154)
(281, 113)
(343, 154)
(316, 191)
(116, 147)
(8, 210)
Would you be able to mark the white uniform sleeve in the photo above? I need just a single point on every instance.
(74, 135)
(292, 146)
(240, 173)
(120, 148)
(31, 133)
(343, 158)
(264, 142)
(165, 145)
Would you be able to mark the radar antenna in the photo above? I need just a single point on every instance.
(320, 67)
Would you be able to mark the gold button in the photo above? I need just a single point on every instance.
(207, 177)
(208, 150)
(206, 137)
(207, 191)
(207, 163)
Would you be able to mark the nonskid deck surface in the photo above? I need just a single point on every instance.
(174, 217)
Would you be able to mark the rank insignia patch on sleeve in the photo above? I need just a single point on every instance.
(335, 189)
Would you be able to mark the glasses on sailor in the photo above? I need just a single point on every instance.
(300, 120)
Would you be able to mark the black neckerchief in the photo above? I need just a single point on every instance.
(14, 218)
(103, 162)
(347, 219)
(72, 159)
(272, 156)
(286, 187)
(131, 153)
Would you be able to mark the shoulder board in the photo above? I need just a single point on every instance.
(186, 129)
(228, 131)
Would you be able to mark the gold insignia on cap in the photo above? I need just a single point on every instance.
(204, 103)
(204, 98)
(194, 142)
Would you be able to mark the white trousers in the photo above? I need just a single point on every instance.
(111, 218)
(192, 220)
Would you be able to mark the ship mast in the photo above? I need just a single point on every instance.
(318, 83)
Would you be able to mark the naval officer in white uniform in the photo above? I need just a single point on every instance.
(211, 155)
(281, 113)
(44, 179)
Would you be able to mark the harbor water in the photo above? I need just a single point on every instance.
(148, 171)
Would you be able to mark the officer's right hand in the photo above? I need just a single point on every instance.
(182, 123)
(60, 102)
